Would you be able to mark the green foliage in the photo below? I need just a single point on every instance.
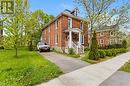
(27, 70)
(102, 54)
(71, 51)
(124, 44)
(93, 54)
(114, 52)
(86, 49)
(126, 67)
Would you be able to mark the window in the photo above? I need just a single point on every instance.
(49, 39)
(101, 41)
(82, 39)
(56, 38)
(112, 33)
(112, 41)
(45, 34)
(81, 26)
(101, 33)
(69, 22)
(48, 29)
(56, 24)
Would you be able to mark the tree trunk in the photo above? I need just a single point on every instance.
(91, 32)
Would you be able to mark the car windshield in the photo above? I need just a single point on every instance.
(42, 43)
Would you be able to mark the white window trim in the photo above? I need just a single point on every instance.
(70, 22)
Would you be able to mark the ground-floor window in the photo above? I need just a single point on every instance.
(82, 39)
(56, 38)
(101, 41)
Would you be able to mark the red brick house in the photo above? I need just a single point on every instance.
(108, 35)
(67, 30)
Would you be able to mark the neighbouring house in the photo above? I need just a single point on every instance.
(108, 35)
(1, 34)
(66, 31)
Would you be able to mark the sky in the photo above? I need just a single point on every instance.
(53, 7)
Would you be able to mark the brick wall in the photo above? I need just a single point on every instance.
(62, 36)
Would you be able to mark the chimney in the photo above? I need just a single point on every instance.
(75, 12)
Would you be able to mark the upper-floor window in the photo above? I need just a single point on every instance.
(81, 25)
(112, 33)
(70, 22)
(56, 24)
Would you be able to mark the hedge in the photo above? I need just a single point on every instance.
(103, 53)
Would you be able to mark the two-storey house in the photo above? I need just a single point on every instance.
(67, 30)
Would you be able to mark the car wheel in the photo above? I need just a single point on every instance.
(40, 51)
(48, 50)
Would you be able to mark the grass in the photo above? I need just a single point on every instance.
(126, 67)
(28, 69)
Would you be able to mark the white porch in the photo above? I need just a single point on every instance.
(77, 46)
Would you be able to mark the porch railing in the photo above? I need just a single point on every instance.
(76, 47)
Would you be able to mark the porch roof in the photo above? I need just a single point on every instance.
(76, 30)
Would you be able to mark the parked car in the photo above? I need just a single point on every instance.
(41, 46)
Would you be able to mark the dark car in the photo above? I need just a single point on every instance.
(41, 46)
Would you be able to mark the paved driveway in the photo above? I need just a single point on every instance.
(66, 64)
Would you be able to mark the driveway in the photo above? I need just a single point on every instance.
(65, 63)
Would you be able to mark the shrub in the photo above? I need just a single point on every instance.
(113, 51)
(94, 55)
(114, 46)
(108, 52)
(102, 53)
(86, 49)
(71, 51)
(124, 44)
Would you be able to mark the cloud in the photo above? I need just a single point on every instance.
(66, 6)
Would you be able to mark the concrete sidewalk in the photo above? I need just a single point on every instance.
(92, 75)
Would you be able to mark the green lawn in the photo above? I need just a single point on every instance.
(126, 67)
(28, 69)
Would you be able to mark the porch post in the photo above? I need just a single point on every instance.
(79, 39)
(70, 39)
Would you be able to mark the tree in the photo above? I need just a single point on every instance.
(93, 54)
(34, 24)
(94, 10)
(124, 44)
(15, 25)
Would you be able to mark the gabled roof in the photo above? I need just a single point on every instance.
(107, 28)
(66, 13)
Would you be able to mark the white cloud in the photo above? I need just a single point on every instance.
(66, 6)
